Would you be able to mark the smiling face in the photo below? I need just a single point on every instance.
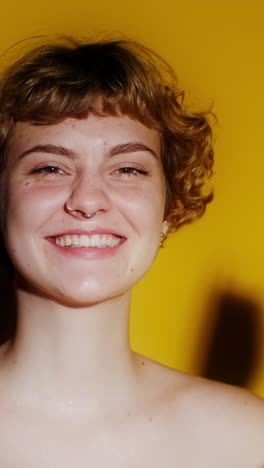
(106, 166)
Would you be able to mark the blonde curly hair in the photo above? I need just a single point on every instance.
(72, 78)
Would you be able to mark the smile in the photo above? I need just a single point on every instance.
(83, 240)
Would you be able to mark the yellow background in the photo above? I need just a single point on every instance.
(217, 52)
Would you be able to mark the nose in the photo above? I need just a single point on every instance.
(88, 198)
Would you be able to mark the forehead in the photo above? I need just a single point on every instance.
(93, 130)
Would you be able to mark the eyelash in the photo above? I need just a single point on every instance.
(56, 170)
(130, 170)
(47, 170)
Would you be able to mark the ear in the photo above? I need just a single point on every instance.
(165, 228)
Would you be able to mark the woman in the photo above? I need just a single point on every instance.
(99, 160)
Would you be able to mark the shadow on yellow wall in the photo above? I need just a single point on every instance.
(232, 348)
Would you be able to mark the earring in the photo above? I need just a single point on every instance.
(163, 234)
(162, 237)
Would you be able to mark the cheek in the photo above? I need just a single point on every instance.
(28, 208)
(145, 219)
(145, 206)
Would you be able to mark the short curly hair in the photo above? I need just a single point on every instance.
(71, 78)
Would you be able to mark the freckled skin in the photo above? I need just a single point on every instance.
(92, 181)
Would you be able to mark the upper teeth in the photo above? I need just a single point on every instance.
(94, 240)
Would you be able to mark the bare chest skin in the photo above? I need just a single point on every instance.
(149, 440)
(179, 421)
(145, 447)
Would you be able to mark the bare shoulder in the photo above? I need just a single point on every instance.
(229, 404)
(219, 399)
(213, 419)
(232, 418)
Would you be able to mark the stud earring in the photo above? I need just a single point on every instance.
(162, 237)
(164, 234)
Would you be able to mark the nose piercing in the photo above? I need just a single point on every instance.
(87, 215)
(84, 215)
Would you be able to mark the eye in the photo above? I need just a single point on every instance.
(48, 169)
(132, 171)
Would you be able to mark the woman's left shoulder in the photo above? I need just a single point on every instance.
(207, 421)
(235, 415)
(225, 422)
(207, 399)
(239, 402)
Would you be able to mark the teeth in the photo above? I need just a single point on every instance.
(67, 241)
(84, 241)
(75, 240)
(95, 240)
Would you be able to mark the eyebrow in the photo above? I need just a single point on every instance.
(49, 149)
(125, 148)
(131, 148)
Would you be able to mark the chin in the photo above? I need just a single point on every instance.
(78, 295)
(86, 300)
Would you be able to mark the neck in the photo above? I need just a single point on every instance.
(69, 354)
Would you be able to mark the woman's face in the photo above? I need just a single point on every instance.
(109, 167)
